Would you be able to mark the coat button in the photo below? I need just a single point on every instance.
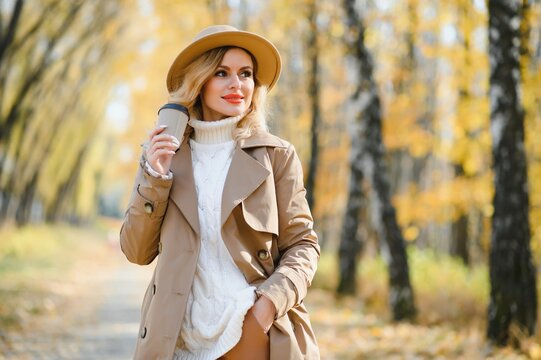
(263, 254)
(143, 332)
(149, 208)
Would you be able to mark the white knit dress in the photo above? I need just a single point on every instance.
(220, 295)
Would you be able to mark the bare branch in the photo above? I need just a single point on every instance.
(6, 39)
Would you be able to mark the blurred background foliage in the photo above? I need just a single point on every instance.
(81, 82)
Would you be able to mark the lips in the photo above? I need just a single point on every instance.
(233, 98)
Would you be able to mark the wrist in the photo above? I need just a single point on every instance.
(264, 311)
(150, 169)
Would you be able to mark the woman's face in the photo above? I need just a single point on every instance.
(229, 91)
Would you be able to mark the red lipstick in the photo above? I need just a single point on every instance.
(233, 98)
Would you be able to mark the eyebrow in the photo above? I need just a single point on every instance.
(242, 68)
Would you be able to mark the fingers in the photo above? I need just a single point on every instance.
(161, 148)
(156, 131)
(165, 138)
(168, 145)
(162, 152)
(158, 140)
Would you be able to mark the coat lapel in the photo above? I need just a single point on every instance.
(245, 175)
(183, 191)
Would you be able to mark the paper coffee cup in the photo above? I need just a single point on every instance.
(175, 117)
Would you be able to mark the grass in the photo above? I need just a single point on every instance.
(30, 250)
(446, 291)
(36, 265)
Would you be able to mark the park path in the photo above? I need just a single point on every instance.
(113, 333)
(97, 320)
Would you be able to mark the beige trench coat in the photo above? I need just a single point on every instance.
(266, 226)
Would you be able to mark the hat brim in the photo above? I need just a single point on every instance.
(268, 59)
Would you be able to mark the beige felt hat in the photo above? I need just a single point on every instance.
(268, 59)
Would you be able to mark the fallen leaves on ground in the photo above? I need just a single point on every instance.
(345, 331)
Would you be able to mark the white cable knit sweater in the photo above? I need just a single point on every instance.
(220, 295)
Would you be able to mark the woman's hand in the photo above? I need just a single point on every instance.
(161, 149)
(264, 312)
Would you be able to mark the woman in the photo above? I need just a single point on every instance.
(226, 211)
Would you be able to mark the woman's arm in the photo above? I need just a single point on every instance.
(297, 241)
(139, 235)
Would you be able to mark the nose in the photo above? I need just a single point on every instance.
(235, 82)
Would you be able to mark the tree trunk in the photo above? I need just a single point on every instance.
(9, 34)
(24, 210)
(313, 91)
(56, 211)
(513, 300)
(400, 291)
(371, 149)
(459, 239)
(12, 199)
(6, 206)
(350, 243)
(459, 231)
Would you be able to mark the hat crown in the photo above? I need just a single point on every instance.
(215, 29)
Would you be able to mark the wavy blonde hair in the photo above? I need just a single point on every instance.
(194, 76)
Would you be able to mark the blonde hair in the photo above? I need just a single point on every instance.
(194, 76)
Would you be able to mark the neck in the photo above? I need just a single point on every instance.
(214, 132)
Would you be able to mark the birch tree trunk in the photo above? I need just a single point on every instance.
(513, 300)
(370, 158)
(313, 92)
(350, 243)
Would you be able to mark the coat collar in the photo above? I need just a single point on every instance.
(245, 175)
(262, 139)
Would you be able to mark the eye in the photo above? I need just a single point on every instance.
(220, 73)
(246, 74)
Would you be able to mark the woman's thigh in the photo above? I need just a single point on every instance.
(254, 343)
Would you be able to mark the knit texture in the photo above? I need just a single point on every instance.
(214, 132)
(220, 295)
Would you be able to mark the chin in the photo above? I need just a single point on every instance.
(236, 112)
(218, 114)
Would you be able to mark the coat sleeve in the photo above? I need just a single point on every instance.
(140, 232)
(297, 241)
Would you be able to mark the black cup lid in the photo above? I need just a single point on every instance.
(175, 106)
